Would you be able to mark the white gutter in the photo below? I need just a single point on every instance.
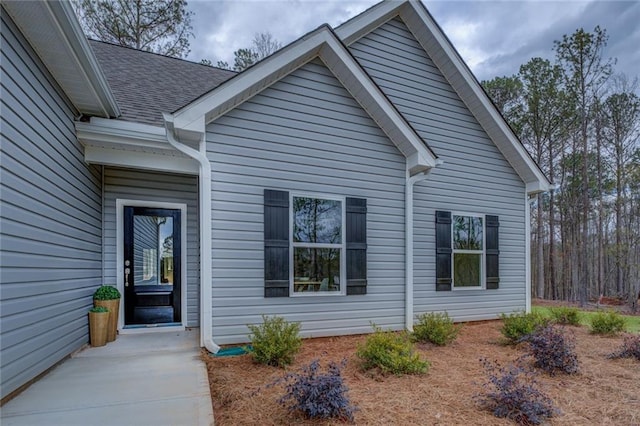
(204, 179)
(408, 238)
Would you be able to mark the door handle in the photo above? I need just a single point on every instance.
(127, 271)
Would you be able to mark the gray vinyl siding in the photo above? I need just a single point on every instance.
(158, 187)
(304, 134)
(475, 177)
(50, 250)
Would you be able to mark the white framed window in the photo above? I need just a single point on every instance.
(317, 245)
(468, 248)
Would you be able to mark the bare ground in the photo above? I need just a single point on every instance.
(606, 392)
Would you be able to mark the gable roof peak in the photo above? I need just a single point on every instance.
(439, 48)
(189, 122)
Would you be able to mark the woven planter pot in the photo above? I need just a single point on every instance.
(114, 308)
(98, 325)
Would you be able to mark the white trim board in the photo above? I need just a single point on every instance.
(343, 244)
(120, 204)
(133, 145)
(140, 160)
(52, 29)
(442, 52)
(189, 122)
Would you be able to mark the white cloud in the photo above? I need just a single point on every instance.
(230, 25)
(495, 38)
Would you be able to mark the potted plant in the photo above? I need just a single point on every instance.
(98, 325)
(109, 297)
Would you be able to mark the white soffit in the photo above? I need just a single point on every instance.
(54, 32)
(134, 145)
(444, 55)
(323, 43)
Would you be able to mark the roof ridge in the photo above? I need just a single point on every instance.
(157, 54)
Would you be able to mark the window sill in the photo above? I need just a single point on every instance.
(454, 288)
(318, 294)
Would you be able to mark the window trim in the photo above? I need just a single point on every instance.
(342, 246)
(483, 278)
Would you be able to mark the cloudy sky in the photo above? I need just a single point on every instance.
(495, 38)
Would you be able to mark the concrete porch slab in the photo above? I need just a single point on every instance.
(140, 379)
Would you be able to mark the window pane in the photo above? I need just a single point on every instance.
(467, 270)
(317, 221)
(316, 269)
(467, 233)
(153, 250)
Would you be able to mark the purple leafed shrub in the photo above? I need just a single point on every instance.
(553, 350)
(317, 394)
(512, 392)
(630, 348)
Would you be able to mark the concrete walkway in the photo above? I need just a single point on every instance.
(142, 379)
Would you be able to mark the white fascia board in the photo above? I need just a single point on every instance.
(453, 67)
(444, 55)
(101, 131)
(248, 83)
(55, 34)
(127, 144)
(536, 187)
(367, 21)
(364, 90)
(321, 43)
(66, 17)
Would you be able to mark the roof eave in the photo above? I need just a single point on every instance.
(322, 43)
(446, 57)
(132, 145)
(54, 32)
(359, 26)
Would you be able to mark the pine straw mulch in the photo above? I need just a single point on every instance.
(606, 392)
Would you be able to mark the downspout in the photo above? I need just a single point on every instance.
(408, 238)
(528, 202)
(204, 180)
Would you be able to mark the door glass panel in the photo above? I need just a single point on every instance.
(153, 250)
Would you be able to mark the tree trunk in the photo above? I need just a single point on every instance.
(619, 189)
(584, 252)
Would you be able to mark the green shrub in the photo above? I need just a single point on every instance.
(565, 315)
(106, 292)
(436, 328)
(275, 341)
(99, 309)
(608, 322)
(391, 352)
(520, 324)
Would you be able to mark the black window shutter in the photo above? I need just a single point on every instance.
(356, 229)
(276, 243)
(443, 251)
(491, 252)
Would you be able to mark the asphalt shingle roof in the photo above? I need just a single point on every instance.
(147, 84)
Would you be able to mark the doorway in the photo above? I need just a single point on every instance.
(152, 260)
